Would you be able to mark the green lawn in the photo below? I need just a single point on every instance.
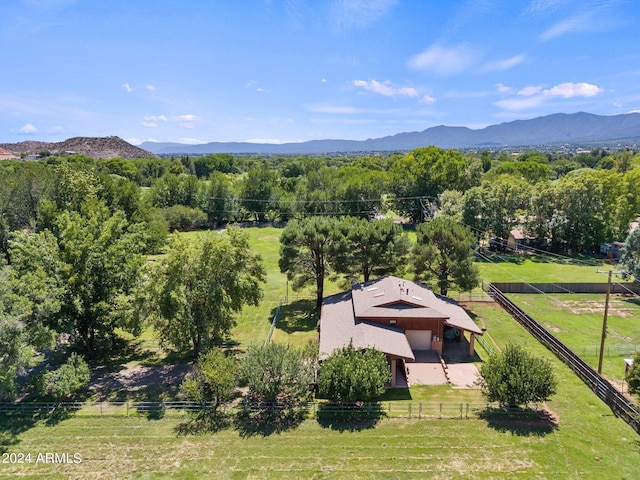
(576, 319)
(541, 269)
(587, 442)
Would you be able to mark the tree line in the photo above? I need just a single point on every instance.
(76, 234)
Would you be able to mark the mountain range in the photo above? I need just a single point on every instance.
(557, 129)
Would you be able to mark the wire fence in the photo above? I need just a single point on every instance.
(390, 409)
(604, 389)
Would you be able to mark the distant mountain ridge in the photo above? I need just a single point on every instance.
(96, 147)
(556, 129)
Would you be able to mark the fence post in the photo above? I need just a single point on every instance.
(440, 409)
(409, 410)
(420, 410)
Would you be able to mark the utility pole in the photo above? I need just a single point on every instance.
(604, 320)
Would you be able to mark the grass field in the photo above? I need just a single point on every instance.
(587, 442)
(541, 269)
(582, 439)
(576, 319)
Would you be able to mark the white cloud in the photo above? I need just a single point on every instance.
(359, 13)
(530, 90)
(444, 60)
(543, 6)
(150, 87)
(28, 129)
(127, 87)
(185, 121)
(191, 141)
(533, 96)
(502, 65)
(386, 88)
(520, 103)
(569, 90)
(428, 99)
(324, 80)
(503, 88)
(592, 17)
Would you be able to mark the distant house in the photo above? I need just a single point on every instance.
(395, 316)
(518, 240)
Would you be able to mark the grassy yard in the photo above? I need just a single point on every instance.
(580, 439)
(587, 441)
(576, 319)
(541, 269)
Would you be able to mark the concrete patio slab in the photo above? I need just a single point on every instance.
(426, 370)
(462, 374)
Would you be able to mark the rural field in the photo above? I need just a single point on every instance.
(580, 437)
(576, 320)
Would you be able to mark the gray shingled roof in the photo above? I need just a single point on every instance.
(344, 316)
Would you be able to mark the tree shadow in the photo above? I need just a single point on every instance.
(298, 316)
(14, 423)
(396, 394)
(11, 426)
(203, 422)
(268, 420)
(522, 422)
(344, 417)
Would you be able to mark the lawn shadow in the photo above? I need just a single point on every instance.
(523, 422)
(203, 422)
(396, 394)
(350, 417)
(270, 420)
(297, 316)
(11, 426)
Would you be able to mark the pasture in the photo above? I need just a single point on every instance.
(576, 320)
(580, 437)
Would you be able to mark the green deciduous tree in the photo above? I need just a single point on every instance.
(631, 254)
(81, 270)
(278, 373)
(444, 253)
(633, 375)
(306, 249)
(516, 377)
(215, 379)
(350, 375)
(201, 285)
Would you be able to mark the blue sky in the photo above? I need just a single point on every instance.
(197, 71)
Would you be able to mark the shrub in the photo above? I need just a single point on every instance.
(69, 378)
(516, 377)
(215, 379)
(277, 373)
(351, 375)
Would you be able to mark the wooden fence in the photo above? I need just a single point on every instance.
(319, 410)
(604, 389)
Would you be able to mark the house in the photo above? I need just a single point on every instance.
(395, 316)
